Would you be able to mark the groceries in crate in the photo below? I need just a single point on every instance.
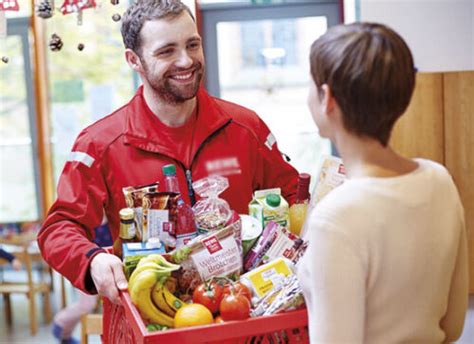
(265, 278)
(251, 231)
(285, 296)
(299, 209)
(159, 217)
(268, 205)
(211, 212)
(133, 198)
(200, 281)
(149, 292)
(331, 175)
(185, 229)
(275, 241)
(217, 253)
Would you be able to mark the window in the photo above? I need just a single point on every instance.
(258, 56)
(18, 152)
(87, 84)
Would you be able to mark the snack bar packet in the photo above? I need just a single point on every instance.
(159, 216)
(284, 244)
(133, 199)
(211, 212)
(215, 254)
(256, 253)
(287, 296)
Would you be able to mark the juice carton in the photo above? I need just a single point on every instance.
(268, 205)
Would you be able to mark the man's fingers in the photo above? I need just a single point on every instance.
(119, 276)
(107, 287)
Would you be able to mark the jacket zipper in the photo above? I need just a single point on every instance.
(188, 172)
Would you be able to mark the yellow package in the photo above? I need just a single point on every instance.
(268, 276)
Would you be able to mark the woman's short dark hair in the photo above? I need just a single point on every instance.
(143, 10)
(369, 69)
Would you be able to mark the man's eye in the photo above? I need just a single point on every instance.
(165, 52)
(195, 45)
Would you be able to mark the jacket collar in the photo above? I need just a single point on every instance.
(142, 131)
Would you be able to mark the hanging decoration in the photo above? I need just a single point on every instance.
(77, 6)
(6, 5)
(5, 59)
(9, 5)
(114, 2)
(55, 43)
(80, 46)
(45, 9)
(116, 17)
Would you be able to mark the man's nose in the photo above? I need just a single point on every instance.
(184, 60)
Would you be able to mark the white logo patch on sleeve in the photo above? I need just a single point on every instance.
(82, 157)
(270, 141)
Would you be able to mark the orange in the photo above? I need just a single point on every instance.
(193, 314)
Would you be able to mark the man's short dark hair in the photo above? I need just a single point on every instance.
(143, 10)
(369, 69)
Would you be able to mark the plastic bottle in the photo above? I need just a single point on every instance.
(299, 209)
(127, 231)
(185, 225)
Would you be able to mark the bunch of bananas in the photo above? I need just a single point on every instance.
(148, 290)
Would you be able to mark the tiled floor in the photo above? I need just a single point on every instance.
(20, 331)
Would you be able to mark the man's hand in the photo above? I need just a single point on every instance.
(107, 273)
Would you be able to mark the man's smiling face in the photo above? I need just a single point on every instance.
(172, 57)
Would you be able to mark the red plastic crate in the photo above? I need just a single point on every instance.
(123, 324)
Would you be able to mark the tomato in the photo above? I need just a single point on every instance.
(238, 289)
(234, 307)
(209, 295)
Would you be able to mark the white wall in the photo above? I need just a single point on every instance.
(440, 33)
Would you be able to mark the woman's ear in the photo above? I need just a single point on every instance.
(133, 60)
(327, 99)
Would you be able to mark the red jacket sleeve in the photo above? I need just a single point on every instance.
(273, 171)
(65, 239)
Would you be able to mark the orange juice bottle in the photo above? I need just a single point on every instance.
(300, 207)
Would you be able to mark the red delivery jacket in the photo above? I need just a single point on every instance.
(126, 149)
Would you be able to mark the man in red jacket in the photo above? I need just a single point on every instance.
(171, 119)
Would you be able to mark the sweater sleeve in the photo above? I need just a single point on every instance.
(332, 276)
(6, 255)
(453, 321)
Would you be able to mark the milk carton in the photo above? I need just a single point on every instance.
(268, 205)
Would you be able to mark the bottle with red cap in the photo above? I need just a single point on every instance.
(186, 226)
(299, 209)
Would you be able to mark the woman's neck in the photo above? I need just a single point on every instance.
(367, 157)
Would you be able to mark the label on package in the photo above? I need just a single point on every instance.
(219, 258)
(158, 223)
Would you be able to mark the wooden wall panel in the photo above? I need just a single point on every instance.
(419, 132)
(459, 145)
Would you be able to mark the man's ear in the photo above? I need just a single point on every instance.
(133, 60)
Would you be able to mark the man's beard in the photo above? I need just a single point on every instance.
(171, 93)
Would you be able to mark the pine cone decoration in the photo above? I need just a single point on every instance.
(114, 2)
(55, 44)
(44, 9)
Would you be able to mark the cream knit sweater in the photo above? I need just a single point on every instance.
(387, 260)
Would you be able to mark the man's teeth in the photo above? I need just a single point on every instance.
(182, 77)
